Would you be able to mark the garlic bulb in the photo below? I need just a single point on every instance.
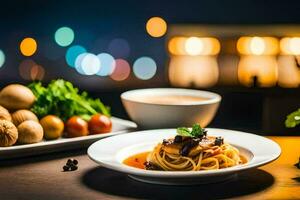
(23, 115)
(8, 133)
(30, 132)
(16, 96)
(4, 114)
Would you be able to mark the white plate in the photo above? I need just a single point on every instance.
(119, 126)
(110, 153)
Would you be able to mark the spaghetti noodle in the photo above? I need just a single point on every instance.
(213, 157)
(189, 150)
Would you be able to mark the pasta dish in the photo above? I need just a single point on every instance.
(190, 150)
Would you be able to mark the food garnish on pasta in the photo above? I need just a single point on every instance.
(190, 150)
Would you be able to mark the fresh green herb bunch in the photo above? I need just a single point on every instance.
(293, 119)
(62, 99)
(196, 131)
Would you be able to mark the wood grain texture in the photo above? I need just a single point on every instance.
(41, 177)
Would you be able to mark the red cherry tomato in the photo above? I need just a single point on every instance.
(76, 127)
(99, 124)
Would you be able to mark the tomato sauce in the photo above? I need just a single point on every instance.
(137, 160)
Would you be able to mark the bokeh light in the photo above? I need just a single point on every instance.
(64, 36)
(122, 70)
(257, 45)
(90, 64)
(193, 71)
(28, 46)
(78, 62)
(37, 72)
(263, 68)
(176, 46)
(119, 48)
(144, 68)
(2, 58)
(87, 64)
(107, 64)
(72, 53)
(25, 67)
(290, 45)
(288, 72)
(294, 45)
(29, 70)
(194, 46)
(156, 27)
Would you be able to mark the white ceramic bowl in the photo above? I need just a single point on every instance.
(155, 115)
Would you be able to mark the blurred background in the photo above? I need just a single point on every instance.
(247, 51)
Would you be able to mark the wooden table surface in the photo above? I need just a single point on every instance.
(41, 177)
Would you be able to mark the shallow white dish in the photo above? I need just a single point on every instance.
(119, 126)
(110, 153)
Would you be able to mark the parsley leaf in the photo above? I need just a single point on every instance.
(293, 119)
(61, 98)
(196, 131)
(183, 131)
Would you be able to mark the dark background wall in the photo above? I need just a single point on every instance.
(95, 21)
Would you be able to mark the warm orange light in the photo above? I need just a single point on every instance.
(197, 71)
(262, 69)
(194, 46)
(25, 67)
(290, 45)
(288, 72)
(257, 45)
(29, 70)
(28, 46)
(156, 26)
(37, 72)
(176, 46)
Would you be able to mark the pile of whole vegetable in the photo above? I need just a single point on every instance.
(17, 123)
(21, 108)
(62, 99)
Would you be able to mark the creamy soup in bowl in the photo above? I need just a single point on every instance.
(164, 107)
(171, 99)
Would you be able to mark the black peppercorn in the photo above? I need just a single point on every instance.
(66, 168)
(71, 164)
(74, 167)
(75, 162)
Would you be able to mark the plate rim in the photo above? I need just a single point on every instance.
(185, 174)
